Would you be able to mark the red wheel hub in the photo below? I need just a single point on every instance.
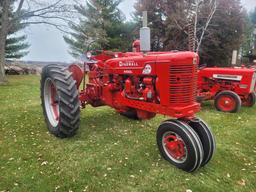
(54, 102)
(226, 103)
(175, 146)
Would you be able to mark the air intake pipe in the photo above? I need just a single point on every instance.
(145, 44)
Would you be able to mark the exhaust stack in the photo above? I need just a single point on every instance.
(145, 44)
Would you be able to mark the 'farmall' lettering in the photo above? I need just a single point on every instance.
(128, 64)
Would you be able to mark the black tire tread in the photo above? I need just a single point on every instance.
(197, 140)
(253, 100)
(69, 103)
(207, 138)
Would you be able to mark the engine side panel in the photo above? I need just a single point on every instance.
(162, 83)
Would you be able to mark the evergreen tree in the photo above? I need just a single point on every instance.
(101, 25)
(15, 45)
(253, 16)
(249, 44)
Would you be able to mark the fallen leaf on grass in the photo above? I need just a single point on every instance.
(44, 163)
(241, 182)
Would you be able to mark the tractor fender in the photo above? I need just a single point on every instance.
(77, 73)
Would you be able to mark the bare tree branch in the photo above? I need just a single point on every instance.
(57, 26)
(20, 6)
(213, 10)
(47, 7)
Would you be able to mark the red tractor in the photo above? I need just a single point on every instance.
(228, 87)
(137, 85)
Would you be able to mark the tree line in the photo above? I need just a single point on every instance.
(214, 28)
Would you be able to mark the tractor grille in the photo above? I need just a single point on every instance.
(253, 85)
(183, 82)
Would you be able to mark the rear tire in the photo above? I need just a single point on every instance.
(227, 101)
(60, 101)
(180, 145)
(251, 100)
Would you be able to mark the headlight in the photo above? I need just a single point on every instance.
(89, 55)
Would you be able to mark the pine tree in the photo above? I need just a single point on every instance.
(101, 26)
(253, 16)
(15, 45)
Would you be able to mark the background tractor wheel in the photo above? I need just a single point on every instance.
(179, 144)
(206, 137)
(60, 102)
(251, 100)
(227, 101)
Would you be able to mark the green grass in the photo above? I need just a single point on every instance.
(112, 153)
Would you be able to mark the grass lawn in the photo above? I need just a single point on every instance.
(113, 153)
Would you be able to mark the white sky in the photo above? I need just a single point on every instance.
(47, 43)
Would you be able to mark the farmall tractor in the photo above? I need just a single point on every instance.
(137, 85)
(228, 87)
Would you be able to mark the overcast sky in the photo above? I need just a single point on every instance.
(47, 43)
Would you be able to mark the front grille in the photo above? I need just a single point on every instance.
(183, 83)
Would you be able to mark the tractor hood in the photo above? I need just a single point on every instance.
(145, 64)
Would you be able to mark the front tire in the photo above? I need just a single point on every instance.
(227, 101)
(180, 145)
(60, 102)
(206, 137)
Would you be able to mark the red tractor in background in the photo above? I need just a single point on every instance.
(228, 87)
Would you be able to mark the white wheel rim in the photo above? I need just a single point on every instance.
(181, 160)
(51, 102)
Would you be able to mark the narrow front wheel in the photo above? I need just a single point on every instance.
(180, 145)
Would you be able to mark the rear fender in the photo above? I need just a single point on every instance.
(77, 73)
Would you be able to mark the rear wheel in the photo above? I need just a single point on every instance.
(251, 100)
(206, 137)
(227, 101)
(60, 102)
(179, 144)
